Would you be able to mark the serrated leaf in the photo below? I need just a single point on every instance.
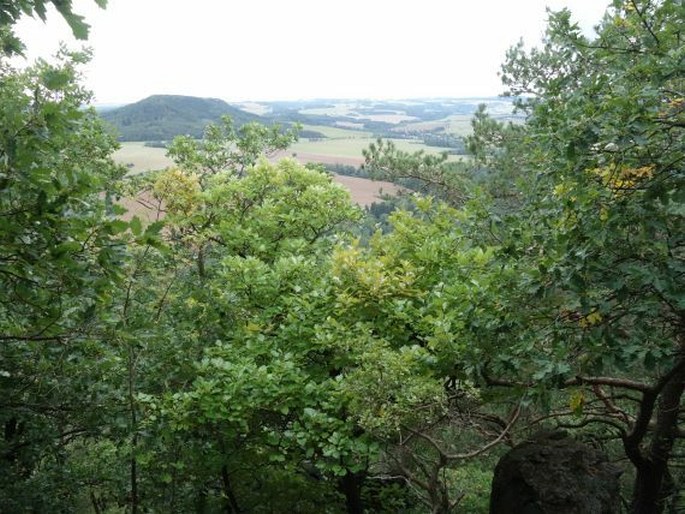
(118, 210)
(118, 226)
(56, 79)
(136, 226)
(154, 229)
(77, 24)
(67, 247)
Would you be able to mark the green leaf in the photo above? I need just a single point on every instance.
(118, 226)
(76, 22)
(136, 226)
(55, 79)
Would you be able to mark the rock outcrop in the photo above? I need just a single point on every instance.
(555, 474)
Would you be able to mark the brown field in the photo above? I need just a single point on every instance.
(364, 192)
(144, 206)
(307, 157)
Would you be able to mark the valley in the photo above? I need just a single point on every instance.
(333, 132)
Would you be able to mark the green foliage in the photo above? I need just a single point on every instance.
(430, 174)
(474, 481)
(61, 252)
(227, 149)
(605, 216)
(57, 241)
(596, 248)
(445, 141)
(584, 287)
(12, 10)
(256, 236)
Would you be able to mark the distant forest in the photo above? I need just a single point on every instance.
(160, 118)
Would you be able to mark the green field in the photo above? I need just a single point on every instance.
(140, 158)
(352, 148)
(457, 124)
(347, 146)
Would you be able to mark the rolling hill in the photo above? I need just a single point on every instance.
(162, 117)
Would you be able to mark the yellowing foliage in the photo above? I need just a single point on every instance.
(374, 278)
(590, 320)
(576, 402)
(178, 190)
(623, 178)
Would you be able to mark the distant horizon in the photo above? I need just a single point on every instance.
(312, 99)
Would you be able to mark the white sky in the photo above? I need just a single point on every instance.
(296, 49)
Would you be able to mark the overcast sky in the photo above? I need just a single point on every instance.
(296, 49)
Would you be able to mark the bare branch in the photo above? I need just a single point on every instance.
(491, 444)
(643, 20)
(444, 456)
(610, 405)
(609, 381)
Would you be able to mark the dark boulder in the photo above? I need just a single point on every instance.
(555, 474)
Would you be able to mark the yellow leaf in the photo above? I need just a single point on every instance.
(591, 319)
(252, 327)
(576, 402)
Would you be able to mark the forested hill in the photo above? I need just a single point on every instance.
(162, 117)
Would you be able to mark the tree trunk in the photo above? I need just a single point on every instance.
(439, 497)
(134, 486)
(134, 430)
(95, 502)
(201, 263)
(201, 503)
(651, 488)
(351, 486)
(231, 501)
(11, 431)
